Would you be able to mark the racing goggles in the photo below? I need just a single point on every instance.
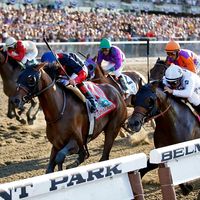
(174, 83)
(171, 53)
(105, 50)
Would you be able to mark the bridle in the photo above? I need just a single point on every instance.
(32, 90)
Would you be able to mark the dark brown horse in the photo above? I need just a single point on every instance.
(158, 70)
(175, 122)
(67, 117)
(10, 70)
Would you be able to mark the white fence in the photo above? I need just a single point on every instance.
(132, 49)
(117, 179)
(181, 163)
(113, 179)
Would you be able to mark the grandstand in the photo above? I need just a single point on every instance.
(164, 6)
(90, 20)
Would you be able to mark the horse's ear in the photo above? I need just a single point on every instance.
(94, 58)
(41, 65)
(88, 55)
(154, 84)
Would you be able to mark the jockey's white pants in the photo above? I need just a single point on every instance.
(109, 68)
(30, 55)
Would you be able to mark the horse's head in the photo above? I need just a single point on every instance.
(145, 106)
(27, 85)
(158, 71)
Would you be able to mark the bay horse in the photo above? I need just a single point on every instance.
(66, 116)
(171, 126)
(9, 71)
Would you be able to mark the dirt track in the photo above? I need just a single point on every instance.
(24, 150)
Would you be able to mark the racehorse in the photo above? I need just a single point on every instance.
(134, 79)
(158, 70)
(10, 70)
(67, 116)
(171, 126)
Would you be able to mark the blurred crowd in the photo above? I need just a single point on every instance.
(68, 25)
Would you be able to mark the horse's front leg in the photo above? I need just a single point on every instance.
(70, 148)
(110, 136)
(52, 163)
(11, 112)
(31, 118)
(16, 114)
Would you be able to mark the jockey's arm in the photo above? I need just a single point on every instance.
(82, 75)
(187, 91)
(19, 53)
(189, 64)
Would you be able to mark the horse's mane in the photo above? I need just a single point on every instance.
(170, 98)
(51, 70)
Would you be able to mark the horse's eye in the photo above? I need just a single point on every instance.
(31, 81)
(150, 102)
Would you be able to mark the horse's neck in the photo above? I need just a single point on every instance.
(51, 100)
(100, 75)
(176, 117)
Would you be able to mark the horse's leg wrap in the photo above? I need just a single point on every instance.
(68, 149)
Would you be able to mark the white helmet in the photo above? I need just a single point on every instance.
(173, 73)
(10, 42)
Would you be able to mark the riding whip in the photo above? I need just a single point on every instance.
(148, 76)
(60, 65)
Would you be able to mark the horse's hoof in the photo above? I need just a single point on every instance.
(10, 116)
(30, 122)
(22, 121)
(187, 189)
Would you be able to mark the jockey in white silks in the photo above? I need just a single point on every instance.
(183, 83)
(21, 51)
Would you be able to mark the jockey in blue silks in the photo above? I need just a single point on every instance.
(75, 69)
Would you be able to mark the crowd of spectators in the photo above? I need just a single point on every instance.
(63, 25)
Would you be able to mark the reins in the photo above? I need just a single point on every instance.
(160, 114)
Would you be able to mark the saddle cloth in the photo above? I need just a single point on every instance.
(99, 95)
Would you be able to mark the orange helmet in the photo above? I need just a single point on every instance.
(172, 46)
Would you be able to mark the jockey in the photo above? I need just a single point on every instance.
(115, 58)
(183, 83)
(75, 69)
(184, 58)
(21, 51)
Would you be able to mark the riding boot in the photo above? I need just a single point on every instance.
(89, 96)
(123, 84)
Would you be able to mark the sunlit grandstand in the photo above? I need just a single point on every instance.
(90, 20)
